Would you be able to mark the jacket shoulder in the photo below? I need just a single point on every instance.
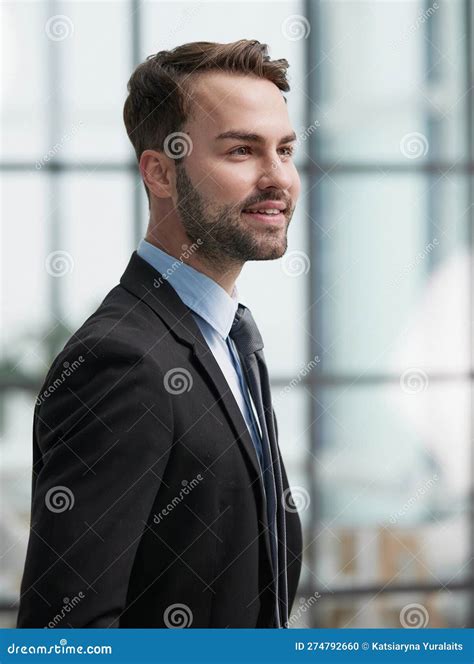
(122, 324)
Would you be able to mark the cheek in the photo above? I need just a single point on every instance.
(204, 178)
(229, 183)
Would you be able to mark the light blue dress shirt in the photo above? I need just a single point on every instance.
(214, 311)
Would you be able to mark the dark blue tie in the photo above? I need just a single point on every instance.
(249, 343)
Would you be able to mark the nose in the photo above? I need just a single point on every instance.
(276, 174)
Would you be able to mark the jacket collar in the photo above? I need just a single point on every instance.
(146, 283)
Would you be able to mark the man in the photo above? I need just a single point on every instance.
(160, 498)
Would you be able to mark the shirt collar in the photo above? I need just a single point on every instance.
(198, 291)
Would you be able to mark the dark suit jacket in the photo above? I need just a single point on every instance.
(147, 506)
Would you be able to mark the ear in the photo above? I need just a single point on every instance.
(155, 169)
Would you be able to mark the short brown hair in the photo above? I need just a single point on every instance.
(159, 100)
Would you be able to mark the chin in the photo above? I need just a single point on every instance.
(270, 253)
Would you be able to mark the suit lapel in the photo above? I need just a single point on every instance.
(146, 283)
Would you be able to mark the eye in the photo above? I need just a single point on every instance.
(289, 150)
(241, 147)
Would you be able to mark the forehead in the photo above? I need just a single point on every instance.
(222, 101)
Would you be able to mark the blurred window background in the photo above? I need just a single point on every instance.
(367, 319)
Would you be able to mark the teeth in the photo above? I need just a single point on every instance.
(269, 211)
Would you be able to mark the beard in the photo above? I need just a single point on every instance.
(222, 229)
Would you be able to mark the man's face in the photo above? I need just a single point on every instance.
(224, 176)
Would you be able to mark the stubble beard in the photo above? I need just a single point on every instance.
(225, 236)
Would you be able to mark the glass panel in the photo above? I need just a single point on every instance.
(96, 215)
(94, 66)
(390, 610)
(392, 280)
(25, 318)
(407, 102)
(16, 419)
(291, 402)
(291, 408)
(392, 469)
(25, 90)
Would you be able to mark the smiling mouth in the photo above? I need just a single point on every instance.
(275, 216)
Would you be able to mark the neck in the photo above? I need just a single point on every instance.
(222, 270)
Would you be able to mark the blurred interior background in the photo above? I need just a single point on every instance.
(371, 352)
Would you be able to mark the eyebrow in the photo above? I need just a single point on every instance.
(240, 135)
